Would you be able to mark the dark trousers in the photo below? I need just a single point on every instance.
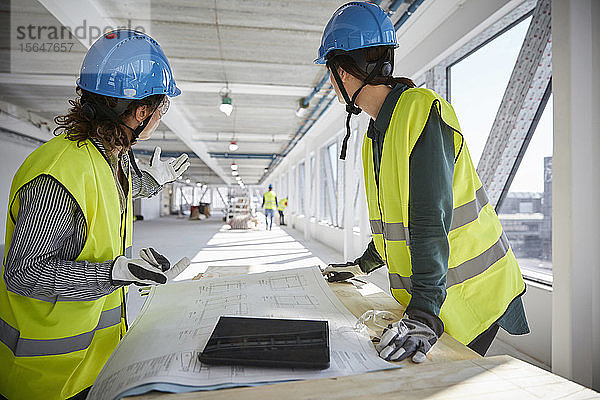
(281, 218)
(482, 343)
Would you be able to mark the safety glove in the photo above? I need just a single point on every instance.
(166, 171)
(342, 272)
(149, 269)
(412, 336)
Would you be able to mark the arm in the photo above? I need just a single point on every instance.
(49, 234)
(430, 209)
(370, 260)
(263, 203)
(145, 186)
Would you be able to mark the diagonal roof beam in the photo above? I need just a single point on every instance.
(71, 13)
(520, 104)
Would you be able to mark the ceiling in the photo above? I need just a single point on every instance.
(261, 50)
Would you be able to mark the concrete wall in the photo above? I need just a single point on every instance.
(12, 153)
(150, 207)
(538, 307)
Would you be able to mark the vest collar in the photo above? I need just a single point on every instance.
(384, 116)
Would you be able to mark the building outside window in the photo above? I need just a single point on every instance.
(478, 83)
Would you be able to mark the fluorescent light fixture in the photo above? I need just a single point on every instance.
(233, 146)
(238, 178)
(302, 110)
(234, 167)
(234, 173)
(187, 181)
(226, 107)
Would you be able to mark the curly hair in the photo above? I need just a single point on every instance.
(96, 116)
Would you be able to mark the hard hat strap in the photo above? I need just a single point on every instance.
(350, 107)
(134, 163)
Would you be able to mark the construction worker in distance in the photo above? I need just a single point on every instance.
(69, 227)
(283, 203)
(269, 204)
(449, 261)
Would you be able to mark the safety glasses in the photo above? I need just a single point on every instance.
(163, 106)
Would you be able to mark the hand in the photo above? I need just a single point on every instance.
(148, 270)
(342, 272)
(411, 336)
(166, 171)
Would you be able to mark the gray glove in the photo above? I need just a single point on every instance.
(413, 335)
(342, 272)
(147, 270)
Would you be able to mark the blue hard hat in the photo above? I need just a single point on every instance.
(127, 64)
(356, 25)
(270, 186)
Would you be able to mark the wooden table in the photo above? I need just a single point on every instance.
(452, 371)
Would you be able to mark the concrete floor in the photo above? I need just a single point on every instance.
(210, 242)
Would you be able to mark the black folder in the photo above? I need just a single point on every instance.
(268, 342)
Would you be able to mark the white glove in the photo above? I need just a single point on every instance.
(166, 171)
(342, 272)
(148, 270)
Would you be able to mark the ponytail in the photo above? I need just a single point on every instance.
(393, 81)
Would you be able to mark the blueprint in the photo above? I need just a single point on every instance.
(161, 348)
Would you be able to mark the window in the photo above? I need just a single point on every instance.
(478, 82)
(329, 184)
(532, 186)
(301, 189)
(526, 207)
(313, 190)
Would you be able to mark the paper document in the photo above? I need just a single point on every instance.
(162, 346)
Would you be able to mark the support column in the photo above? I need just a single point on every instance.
(576, 190)
(318, 190)
(349, 198)
(307, 191)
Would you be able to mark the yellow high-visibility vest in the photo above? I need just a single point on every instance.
(53, 347)
(270, 203)
(282, 204)
(483, 275)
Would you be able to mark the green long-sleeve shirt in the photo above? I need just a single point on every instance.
(431, 172)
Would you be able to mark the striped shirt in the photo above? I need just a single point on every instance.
(50, 233)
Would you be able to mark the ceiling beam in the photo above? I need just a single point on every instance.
(439, 28)
(256, 156)
(71, 13)
(185, 86)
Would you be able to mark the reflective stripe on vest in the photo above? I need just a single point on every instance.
(467, 270)
(49, 347)
(391, 231)
(461, 216)
(467, 213)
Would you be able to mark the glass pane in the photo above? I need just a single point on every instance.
(526, 213)
(478, 84)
